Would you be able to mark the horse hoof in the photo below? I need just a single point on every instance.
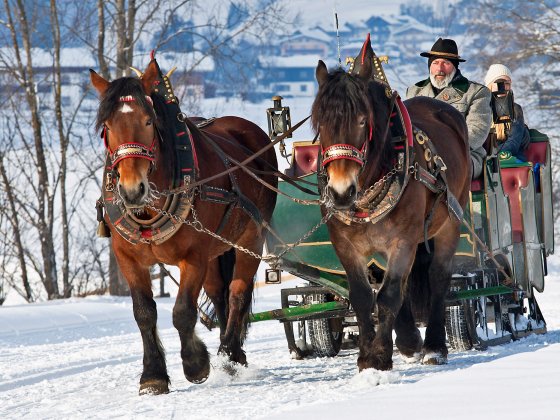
(198, 377)
(433, 358)
(411, 358)
(377, 363)
(154, 387)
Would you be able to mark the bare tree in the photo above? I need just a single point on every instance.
(20, 32)
(41, 209)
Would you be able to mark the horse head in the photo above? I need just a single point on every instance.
(343, 116)
(127, 119)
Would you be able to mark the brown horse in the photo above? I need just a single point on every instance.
(351, 113)
(142, 158)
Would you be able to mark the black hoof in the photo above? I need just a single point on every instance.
(154, 387)
(434, 358)
(197, 375)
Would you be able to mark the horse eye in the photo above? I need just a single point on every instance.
(363, 123)
(149, 122)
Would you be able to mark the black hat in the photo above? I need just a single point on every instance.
(444, 48)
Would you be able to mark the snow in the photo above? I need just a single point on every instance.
(82, 358)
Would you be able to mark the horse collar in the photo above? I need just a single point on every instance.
(380, 199)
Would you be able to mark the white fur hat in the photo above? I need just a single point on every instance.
(495, 71)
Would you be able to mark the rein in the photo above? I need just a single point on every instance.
(239, 165)
(253, 172)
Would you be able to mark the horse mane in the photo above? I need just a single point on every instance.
(165, 122)
(110, 101)
(341, 98)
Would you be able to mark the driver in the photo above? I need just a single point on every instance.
(472, 99)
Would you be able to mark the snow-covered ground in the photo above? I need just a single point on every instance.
(83, 358)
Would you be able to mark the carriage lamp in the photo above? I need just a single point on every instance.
(272, 276)
(502, 105)
(279, 122)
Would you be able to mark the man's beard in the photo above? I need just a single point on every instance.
(441, 84)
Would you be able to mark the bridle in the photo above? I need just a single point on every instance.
(347, 151)
(130, 150)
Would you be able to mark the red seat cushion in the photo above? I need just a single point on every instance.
(305, 158)
(536, 152)
(512, 180)
(476, 185)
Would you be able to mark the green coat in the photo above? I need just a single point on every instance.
(473, 101)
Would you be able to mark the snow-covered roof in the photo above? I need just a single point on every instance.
(319, 35)
(84, 58)
(299, 60)
(41, 58)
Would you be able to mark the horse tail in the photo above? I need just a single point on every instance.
(226, 263)
(209, 306)
(418, 286)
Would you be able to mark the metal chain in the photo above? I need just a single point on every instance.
(197, 225)
(397, 168)
(324, 220)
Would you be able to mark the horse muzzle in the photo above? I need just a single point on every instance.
(342, 199)
(134, 197)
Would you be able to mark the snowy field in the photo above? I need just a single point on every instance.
(83, 358)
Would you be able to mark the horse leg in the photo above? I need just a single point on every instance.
(196, 361)
(361, 299)
(409, 340)
(240, 300)
(154, 379)
(389, 303)
(435, 349)
(415, 304)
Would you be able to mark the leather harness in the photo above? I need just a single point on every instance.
(382, 197)
(177, 205)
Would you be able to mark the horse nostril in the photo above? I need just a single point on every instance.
(351, 191)
(142, 188)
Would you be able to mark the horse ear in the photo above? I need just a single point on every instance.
(363, 65)
(98, 82)
(149, 76)
(321, 72)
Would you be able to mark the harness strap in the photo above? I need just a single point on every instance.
(435, 179)
(241, 165)
(273, 172)
(236, 195)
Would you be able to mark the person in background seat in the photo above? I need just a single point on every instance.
(472, 99)
(512, 137)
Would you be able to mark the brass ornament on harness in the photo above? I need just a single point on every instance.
(428, 155)
(420, 137)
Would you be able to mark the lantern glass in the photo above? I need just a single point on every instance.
(279, 120)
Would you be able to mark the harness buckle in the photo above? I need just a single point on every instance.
(413, 170)
(109, 183)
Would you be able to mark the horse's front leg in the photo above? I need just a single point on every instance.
(154, 379)
(196, 361)
(361, 299)
(389, 302)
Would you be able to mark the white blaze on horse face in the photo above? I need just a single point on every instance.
(126, 108)
(341, 180)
